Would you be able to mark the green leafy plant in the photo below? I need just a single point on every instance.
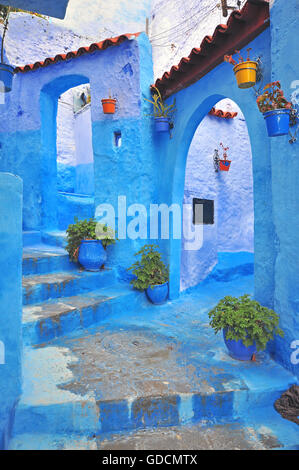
(150, 270)
(160, 108)
(245, 319)
(272, 98)
(88, 229)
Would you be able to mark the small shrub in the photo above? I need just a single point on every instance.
(245, 319)
(150, 270)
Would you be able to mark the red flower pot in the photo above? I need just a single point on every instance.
(108, 105)
(224, 165)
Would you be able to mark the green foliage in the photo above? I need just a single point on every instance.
(245, 319)
(150, 270)
(160, 108)
(272, 98)
(88, 229)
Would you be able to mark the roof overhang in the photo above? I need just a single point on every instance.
(54, 8)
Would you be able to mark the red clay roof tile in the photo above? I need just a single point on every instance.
(99, 46)
(223, 114)
(241, 28)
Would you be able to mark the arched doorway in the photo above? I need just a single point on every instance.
(49, 105)
(218, 214)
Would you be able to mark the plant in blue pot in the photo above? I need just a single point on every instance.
(247, 326)
(162, 113)
(151, 274)
(87, 241)
(6, 71)
(276, 109)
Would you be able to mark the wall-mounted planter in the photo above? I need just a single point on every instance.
(224, 165)
(238, 350)
(278, 122)
(109, 105)
(92, 255)
(245, 73)
(157, 294)
(162, 124)
(6, 76)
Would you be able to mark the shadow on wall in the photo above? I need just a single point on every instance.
(227, 194)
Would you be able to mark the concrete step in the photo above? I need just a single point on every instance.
(55, 237)
(42, 287)
(45, 259)
(45, 321)
(31, 237)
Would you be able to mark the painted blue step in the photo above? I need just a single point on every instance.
(31, 237)
(45, 321)
(45, 260)
(42, 287)
(55, 237)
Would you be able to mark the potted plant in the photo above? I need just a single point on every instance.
(109, 104)
(162, 112)
(151, 274)
(87, 241)
(275, 108)
(6, 71)
(244, 70)
(247, 325)
(224, 164)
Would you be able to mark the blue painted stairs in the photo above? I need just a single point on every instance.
(100, 360)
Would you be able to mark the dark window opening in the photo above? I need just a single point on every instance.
(117, 139)
(204, 213)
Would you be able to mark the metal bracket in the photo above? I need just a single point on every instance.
(216, 160)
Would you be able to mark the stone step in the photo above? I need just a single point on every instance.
(42, 287)
(43, 259)
(31, 237)
(45, 321)
(55, 237)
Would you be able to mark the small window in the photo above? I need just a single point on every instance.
(117, 139)
(206, 214)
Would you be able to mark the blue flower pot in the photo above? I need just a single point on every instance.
(238, 350)
(162, 124)
(278, 122)
(92, 255)
(157, 294)
(6, 76)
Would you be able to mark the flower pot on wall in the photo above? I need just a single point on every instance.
(277, 121)
(224, 165)
(161, 124)
(157, 294)
(109, 105)
(6, 76)
(238, 350)
(92, 255)
(245, 73)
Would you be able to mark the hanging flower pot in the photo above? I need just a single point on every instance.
(245, 73)
(6, 76)
(224, 165)
(161, 124)
(275, 109)
(109, 105)
(278, 122)
(245, 70)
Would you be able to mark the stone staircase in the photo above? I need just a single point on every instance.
(101, 363)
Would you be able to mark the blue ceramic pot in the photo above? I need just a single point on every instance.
(238, 350)
(6, 76)
(92, 255)
(162, 124)
(157, 294)
(278, 122)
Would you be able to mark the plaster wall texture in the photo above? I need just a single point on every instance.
(66, 145)
(284, 158)
(84, 151)
(11, 300)
(231, 191)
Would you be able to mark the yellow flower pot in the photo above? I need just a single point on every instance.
(246, 73)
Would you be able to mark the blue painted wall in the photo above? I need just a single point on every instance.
(284, 160)
(10, 300)
(56, 9)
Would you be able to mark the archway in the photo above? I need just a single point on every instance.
(217, 205)
(49, 105)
